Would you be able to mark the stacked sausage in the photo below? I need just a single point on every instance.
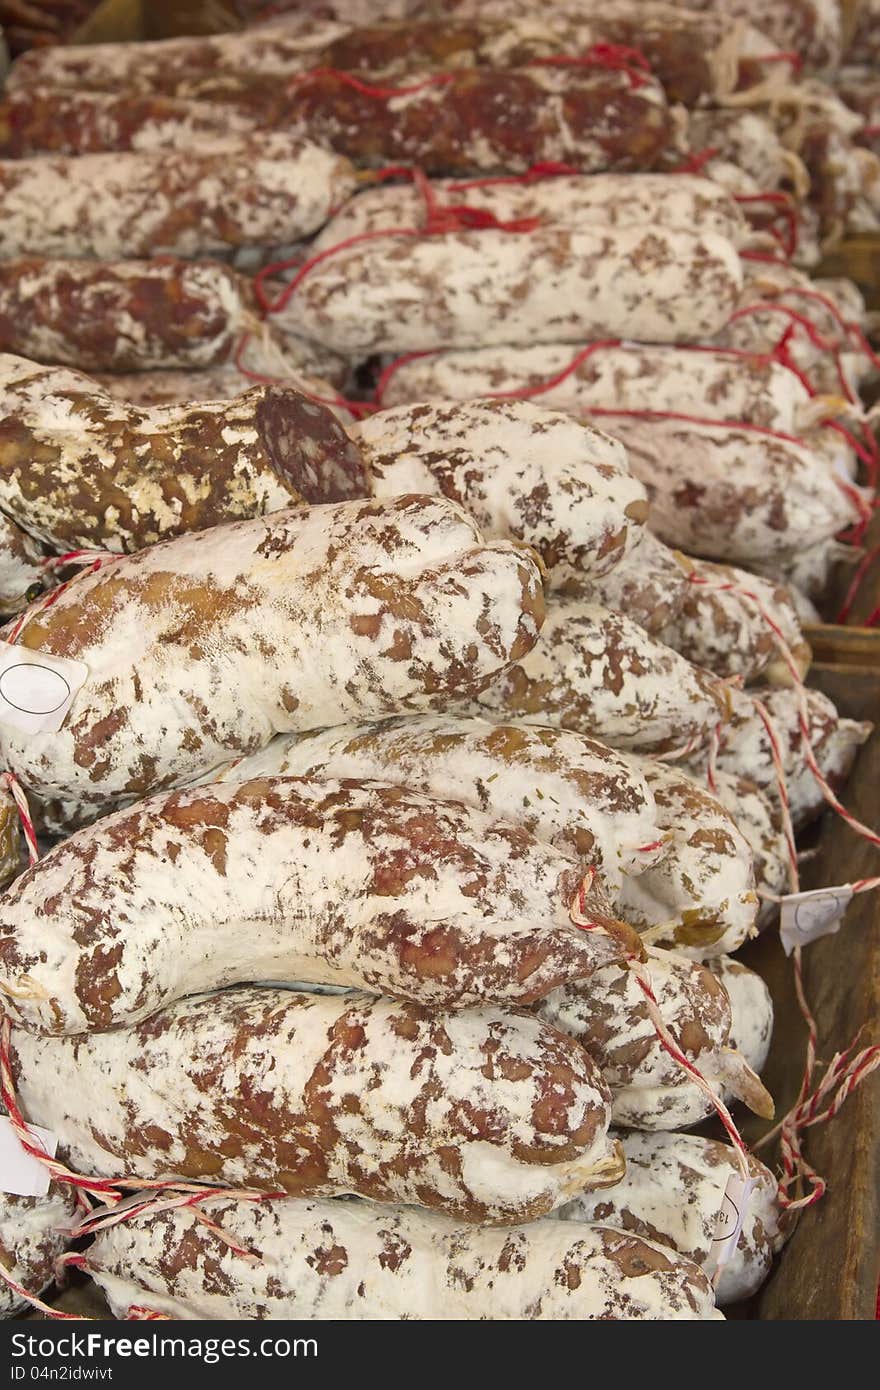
(405, 753)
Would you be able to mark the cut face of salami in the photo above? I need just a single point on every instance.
(601, 674)
(564, 788)
(357, 610)
(270, 189)
(672, 1191)
(471, 289)
(122, 315)
(521, 471)
(328, 1260)
(344, 883)
(79, 469)
(481, 1114)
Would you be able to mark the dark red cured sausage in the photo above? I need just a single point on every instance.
(121, 315)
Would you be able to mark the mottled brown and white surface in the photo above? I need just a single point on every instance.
(351, 883)
(555, 284)
(616, 200)
(121, 315)
(32, 1236)
(650, 1089)
(672, 1192)
(729, 494)
(702, 892)
(79, 469)
(564, 788)
(624, 376)
(483, 1114)
(522, 472)
(601, 674)
(266, 189)
(205, 647)
(324, 1260)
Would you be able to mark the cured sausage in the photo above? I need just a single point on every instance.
(270, 188)
(280, 624)
(343, 883)
(121, 315)
(649, 585)
(625, 376)
(79, 469)
(681, 202)
(732, 494)
(751, 1009)
(564, 788)
(745, 747)
(522, 472)
(481, 1114)
(32, 1236)
(700, 897)
(20, 569)
(758, 821)
(46, 120)
(732, 634)
(650, 1089)
(599, 673)
(349, 1260)
(672, 1191)
(554, 284)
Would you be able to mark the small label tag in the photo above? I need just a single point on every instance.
(19, 1173)
(37, 690)
(729, 1221)
(804, 917)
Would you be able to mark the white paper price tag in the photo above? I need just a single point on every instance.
(19, 1173)
(804, 917)
(729, 1221)
(37, 690)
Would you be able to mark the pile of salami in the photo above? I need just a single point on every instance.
(421, 444)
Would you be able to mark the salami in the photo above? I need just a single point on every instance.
(696, 56)
(132, 67)
(20, 569)
(471, 289)
(79, 469)
(32, 1236)
(481, 1114)
(346, 1260)
(745, 747)
(682, 203)
(219, 383)
(343, 883)
(672, 1191)
(649, 586)
(700, 898)
(650, 1089)
(625, 376)
(733, 494)
(734, 635)
(46, 120)
(122, 315)
(810, 28)
(269, 189)
(599, 673)
(279, 624)
(564, 788)
(758, 821)
(751, 1009)
(521, 471)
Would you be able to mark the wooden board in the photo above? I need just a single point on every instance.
(830, 1267)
